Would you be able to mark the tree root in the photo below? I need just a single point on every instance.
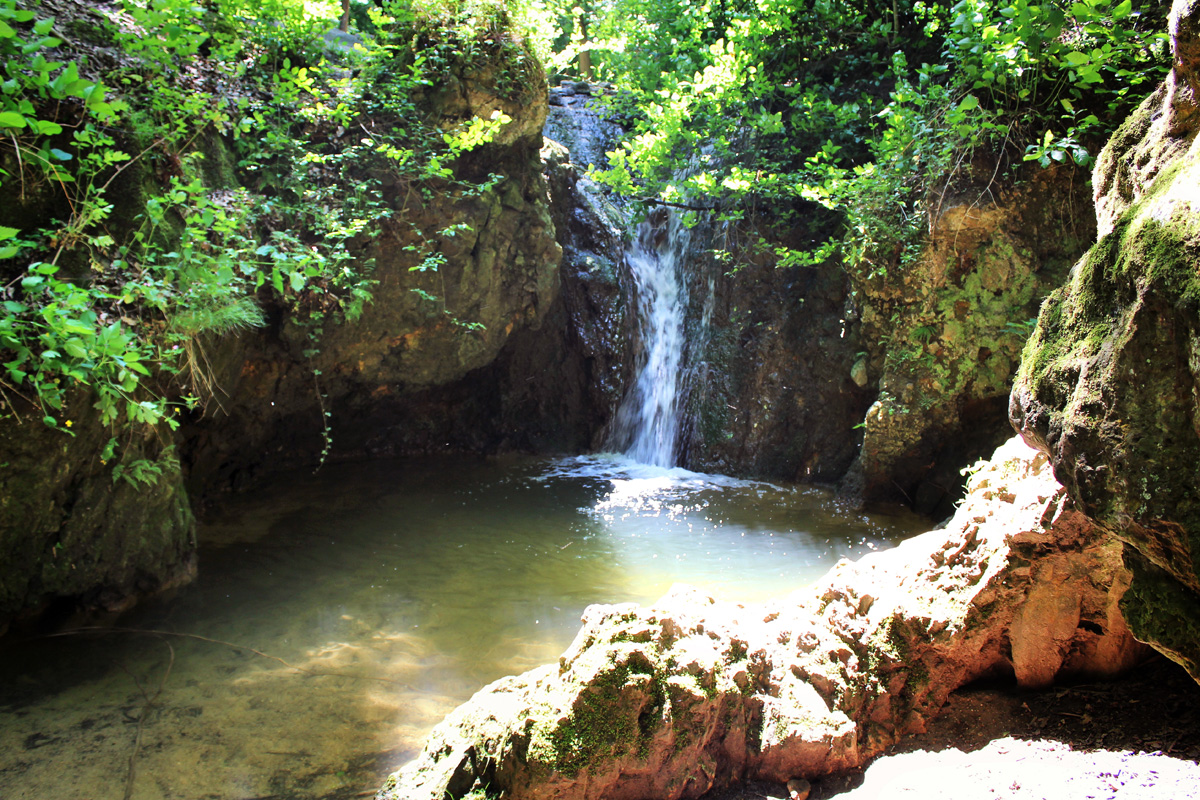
(150, 701)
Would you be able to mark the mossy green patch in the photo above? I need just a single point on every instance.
(1159, 610)
(616, 715)
(1107, 382)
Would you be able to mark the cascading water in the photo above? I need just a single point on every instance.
(647, 424)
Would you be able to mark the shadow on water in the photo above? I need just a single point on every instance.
(378, 597)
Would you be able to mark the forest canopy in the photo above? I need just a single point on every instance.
(866, 108)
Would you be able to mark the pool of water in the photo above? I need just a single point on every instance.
(338, 617)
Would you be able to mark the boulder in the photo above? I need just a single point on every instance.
(693, 694)
(1109, 384)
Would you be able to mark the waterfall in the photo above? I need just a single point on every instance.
(647, 423)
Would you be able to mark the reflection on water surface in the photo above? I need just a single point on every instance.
(378, 597)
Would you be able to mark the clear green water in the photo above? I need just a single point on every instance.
(392, 592)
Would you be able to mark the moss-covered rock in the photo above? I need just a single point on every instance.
(1110, 381)
(420, 368)
(431, 363)
(944, 333)
(75, 526)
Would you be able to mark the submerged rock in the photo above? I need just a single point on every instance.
(1110, 381)
(690, 694)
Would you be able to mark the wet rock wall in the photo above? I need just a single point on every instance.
(1109, 384)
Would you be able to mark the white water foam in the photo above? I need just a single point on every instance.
(647, 424)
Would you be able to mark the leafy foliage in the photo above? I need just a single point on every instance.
(864, 108)
(102, 301)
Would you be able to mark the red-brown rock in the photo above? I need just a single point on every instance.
(690, 694)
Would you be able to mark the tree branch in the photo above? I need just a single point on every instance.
(684, 206)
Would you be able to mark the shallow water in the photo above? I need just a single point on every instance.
(378, 597)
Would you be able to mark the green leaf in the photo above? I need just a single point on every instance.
(1076, 58)
(75, 348)
(11, 119)
(8, 251)
(48, 128)
(94, 95)
(8, 233)
(78, 88)
(43, 26)
(6, 32)
(969, 103)
(1123, 10)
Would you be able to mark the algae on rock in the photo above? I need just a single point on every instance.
(1110, 381)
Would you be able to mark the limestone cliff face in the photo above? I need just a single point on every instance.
(418, 371)
(942, 337)
(1109, 384)
(431, 364)
(688, 695)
